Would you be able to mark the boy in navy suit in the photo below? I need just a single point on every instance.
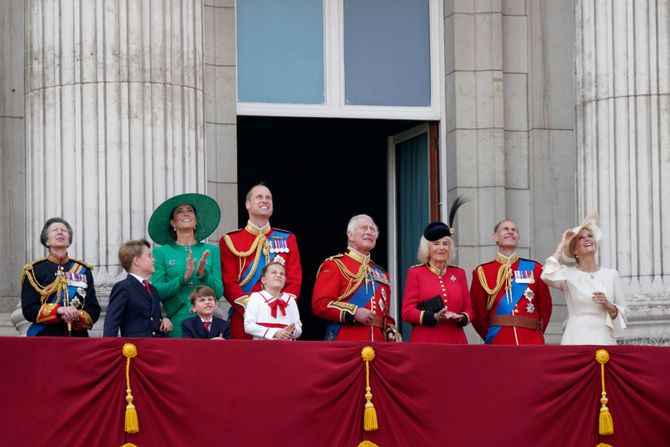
(133, 304)
(205, 324)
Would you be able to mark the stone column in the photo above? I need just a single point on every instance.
(623, 118)
(115, 118)
(12, 159)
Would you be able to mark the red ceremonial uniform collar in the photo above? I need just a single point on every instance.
(358, 256)
(253, 229)
(507, 260)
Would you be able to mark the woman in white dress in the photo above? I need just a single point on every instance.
(594, 295)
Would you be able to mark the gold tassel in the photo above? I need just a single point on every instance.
(602, 444)
(605, 422)
(367, 443)
(370, 414)
(132, 425)
(128, 444)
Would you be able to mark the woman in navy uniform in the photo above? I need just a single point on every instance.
(57, 292)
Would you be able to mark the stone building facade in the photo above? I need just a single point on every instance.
(544, 111)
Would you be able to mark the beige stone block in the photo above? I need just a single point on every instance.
(226, 196)
(464, 41)
(553, 169)
(221, 152)
(463, 6)
(488, 41)
(516, 103)
(224, 23)
(220, 3)
(515, 44)
(226, 95)
(209, 34)
(484, 6)
(551, 80)
(489, 99)
(490, 203)
(517, 204)
(516, 159)
(451, 111)
(466, 99)
(464, 154)
(448, 8)
(449, 45)
(514, 7)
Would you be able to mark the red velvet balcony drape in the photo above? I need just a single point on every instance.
(71, 392)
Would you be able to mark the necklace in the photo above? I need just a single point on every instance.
(591, 273)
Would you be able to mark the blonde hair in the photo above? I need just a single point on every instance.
(423, 253)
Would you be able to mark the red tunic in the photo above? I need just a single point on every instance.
(338, 278)
(424, 282)
(534, 305)
(240, 249)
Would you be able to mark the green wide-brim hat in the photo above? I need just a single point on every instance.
(207, 213)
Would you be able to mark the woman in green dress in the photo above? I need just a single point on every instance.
(182, 261)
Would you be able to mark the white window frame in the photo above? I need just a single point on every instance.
(334, 107)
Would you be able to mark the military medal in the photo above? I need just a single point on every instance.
(530, 308)
(171, 263)
(75, 302)
(279, 260)
(81, 292)
(524, 277)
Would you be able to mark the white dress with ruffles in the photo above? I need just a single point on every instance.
(588, 323)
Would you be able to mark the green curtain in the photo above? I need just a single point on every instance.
(412, 205)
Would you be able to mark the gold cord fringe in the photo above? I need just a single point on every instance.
(129, 444)
(132, 424)
(367, 443)
(605, 422)
(370, 414)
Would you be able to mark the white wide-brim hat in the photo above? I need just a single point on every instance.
(592, 223)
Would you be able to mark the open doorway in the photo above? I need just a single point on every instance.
(321, 172)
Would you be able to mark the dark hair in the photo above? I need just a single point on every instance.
(131, 250)
(199, 291)
(44, 235)
(171, 231)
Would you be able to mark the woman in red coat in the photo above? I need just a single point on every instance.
(436, 300)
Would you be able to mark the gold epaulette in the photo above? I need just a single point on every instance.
(85, 264)
(331, 258)
(417, 265)
(28, 267)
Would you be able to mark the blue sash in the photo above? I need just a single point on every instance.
(505, 308)
(36, 328)
(278, 239)
(360, 298)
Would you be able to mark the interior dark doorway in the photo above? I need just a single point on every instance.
(321, 172)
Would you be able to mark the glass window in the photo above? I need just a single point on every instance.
(387, 52)
(280, 51)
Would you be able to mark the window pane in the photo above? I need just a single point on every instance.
(280, 51)
(387, 52)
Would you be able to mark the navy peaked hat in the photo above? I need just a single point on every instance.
(436, 230)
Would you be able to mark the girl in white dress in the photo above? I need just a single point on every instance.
(594, 294)
(270, 313)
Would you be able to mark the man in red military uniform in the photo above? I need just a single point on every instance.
(352, 292)
(246, 251)
(512, 304)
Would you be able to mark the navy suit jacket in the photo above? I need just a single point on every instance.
(193, 328)
(133, 310)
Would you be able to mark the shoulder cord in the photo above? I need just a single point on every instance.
(503, 277)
